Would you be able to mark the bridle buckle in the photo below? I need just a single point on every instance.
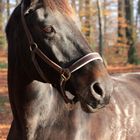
(66, 74)
(33, 46)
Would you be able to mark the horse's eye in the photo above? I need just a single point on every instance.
(48, 29)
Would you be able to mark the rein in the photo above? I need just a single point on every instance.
(65, 73)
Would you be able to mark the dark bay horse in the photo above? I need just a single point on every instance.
(56, 82)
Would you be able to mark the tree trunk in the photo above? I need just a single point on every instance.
(2, 39)
(130, 34)
(1, 17)
(8, 8)
(73, 4)
(87, 18)
(100, 18)
(121, 25)
(138, 19)
(105, 23)
(17, 2)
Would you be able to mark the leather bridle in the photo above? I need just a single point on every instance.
(65, 73)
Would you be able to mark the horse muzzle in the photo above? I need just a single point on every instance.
(96, 98)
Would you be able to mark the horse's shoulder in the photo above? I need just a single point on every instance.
(135, 76)
(129, 81)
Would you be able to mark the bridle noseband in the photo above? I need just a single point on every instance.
(65, 73)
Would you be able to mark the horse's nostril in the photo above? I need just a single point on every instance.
(97, 91)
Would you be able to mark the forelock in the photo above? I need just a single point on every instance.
(62, 6)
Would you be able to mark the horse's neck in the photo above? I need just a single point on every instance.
(72, 125)
(53, 119)
(47, 112)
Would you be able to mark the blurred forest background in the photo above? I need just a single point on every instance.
(112, 27)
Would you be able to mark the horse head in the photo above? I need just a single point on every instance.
(56, 52)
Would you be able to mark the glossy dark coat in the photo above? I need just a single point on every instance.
(39, 111)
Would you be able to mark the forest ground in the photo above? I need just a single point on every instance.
(5, 112)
